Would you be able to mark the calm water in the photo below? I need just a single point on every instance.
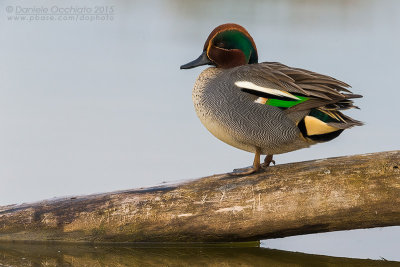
(92, 256)
(97, 106)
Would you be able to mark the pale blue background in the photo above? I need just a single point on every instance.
(98, 106)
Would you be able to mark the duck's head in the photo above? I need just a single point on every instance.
(229, 45)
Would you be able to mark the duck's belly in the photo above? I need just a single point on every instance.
(237, 121)
(252, 138)
(226, 135)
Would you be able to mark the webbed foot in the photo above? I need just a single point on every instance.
(245, 171)
(256, 165)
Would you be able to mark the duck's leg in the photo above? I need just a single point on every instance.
(268, 160)
(256, 164)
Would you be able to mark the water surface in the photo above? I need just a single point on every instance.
(22, 255)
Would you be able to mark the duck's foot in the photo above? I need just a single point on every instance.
(245, 171)
(256, 165)
(267, 161)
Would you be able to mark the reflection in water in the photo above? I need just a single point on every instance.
(12, 254)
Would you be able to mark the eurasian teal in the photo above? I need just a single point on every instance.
(265, 108)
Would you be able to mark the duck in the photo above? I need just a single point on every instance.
(265, 108)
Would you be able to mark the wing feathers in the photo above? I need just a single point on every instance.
(319, 87)
(323, 92)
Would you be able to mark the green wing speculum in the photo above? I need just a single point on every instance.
(286, 103)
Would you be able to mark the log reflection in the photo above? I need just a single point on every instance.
(15, 254)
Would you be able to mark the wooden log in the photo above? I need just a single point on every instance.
(342, 193)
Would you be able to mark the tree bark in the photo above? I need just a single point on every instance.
(343, 193)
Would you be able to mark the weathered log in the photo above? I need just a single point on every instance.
(343, 193)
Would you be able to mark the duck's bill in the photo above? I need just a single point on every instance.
(200, 61)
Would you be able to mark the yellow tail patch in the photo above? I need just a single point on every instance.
(315, 126)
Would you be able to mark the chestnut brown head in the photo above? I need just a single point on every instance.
(229, 45)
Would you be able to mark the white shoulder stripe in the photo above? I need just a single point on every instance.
(252, 86)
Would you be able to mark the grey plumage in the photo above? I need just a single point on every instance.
(233, 117)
